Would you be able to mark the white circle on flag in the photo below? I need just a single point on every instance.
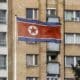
(33, 30)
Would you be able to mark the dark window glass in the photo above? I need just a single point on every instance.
(69, 61)
(2, 0)
(32, 13)
(29, 13)
(31, 78)
(2, 38)
(2, 61)
(2, 16)
(69, 79)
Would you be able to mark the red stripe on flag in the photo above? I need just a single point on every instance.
(38, 31)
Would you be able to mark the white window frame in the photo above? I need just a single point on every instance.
(67, 42)
(75, 61)
(33, 78)
(74, 15)
(74, 40)
(33, 13)
(34, 56)
(49, 10)
(77, 42)
(66, 61)
(52, 77)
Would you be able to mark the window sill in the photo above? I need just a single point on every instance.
(72, 43)
(68, 67)
(71, 21)
(29, 66)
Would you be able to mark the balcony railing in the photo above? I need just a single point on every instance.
(53, 68)
(53, 47)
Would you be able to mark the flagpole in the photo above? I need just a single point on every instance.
(14, 54)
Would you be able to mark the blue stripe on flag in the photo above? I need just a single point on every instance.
(38, 40)
(38, 22)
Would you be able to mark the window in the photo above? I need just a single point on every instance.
(32, 78)
(2, 61)
(2, 16)
(71, 15)
(69, 78)
(72, 38)
(32, 59)
(2, 0)
(52, 77)
(77, 60)
(78, 38)
(32, 13)
(51, 58)
(69, 38)
(71, 60)
(2, 38)
(51, 12)
(3, 78)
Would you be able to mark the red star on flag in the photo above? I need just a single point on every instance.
(33, 30)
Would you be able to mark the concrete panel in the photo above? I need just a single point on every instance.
(69, 73)
(72, 27)
(72, 4)
(21, 5)
(51, 3)
(73, 50)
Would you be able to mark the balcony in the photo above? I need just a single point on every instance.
(3, 50)
(53, 68)
(3, 5)
(53, 47)
(3, 73)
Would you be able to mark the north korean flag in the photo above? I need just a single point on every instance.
(37, 31)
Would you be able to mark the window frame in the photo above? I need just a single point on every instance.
(5, 64)
(34, 61)
(69, 78)
(3, 41)
(52, 77)
(74, 63)
(51, 58)
(75, 40)
(48, 11)
(67, 65)
(74, 18)
(3, 19)
(33, 78)
(34, 16)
